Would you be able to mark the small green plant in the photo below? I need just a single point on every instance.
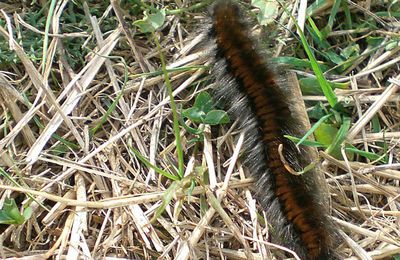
(202, 111)
(11, 215)
(152, 20)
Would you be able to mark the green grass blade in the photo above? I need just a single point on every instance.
(168, 195)
(155, 168)
(369, 155)
(306, 142)
(332, 16)
(312, 129)
(334, 148)
(328, 92)
(46, 33)
(179, 150)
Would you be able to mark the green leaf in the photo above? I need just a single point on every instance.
(376, 125)
(168, 195)
(10, 213)
(323, 44)
(296, 63)
(390, 46)
(351, 51)
(310, 86)
(216, 117)
(204, 102)
(333, 57)
(196, 140)
(317, 111)
(371, 156)
(325, 133)
(328, 92)
(293, 62)
(189, 129)
(313, 128)
(315, 7)
(59, 149)
(268, 11)
(347, 14)
(192, 186)
(175, 117)
(194, 114)
(306, 142)
(6, 218)
(67, 143)
(334, 148)
(155, 168)
(317, 33)
(375, 41)
(333, 12)
(27, 213)
(151, 22)
(388, 14)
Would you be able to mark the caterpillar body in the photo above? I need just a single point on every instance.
(254, 94)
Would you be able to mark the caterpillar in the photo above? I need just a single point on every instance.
(256, 96)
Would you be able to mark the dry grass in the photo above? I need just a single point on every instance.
(93, 198)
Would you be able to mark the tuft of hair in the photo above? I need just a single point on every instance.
(258, 98)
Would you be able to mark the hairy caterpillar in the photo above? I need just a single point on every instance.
(253, 93)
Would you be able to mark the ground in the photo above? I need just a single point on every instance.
(88, 155)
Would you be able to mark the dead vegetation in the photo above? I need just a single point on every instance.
(70, 118)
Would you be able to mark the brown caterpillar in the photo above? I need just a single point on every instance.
(253, 94)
